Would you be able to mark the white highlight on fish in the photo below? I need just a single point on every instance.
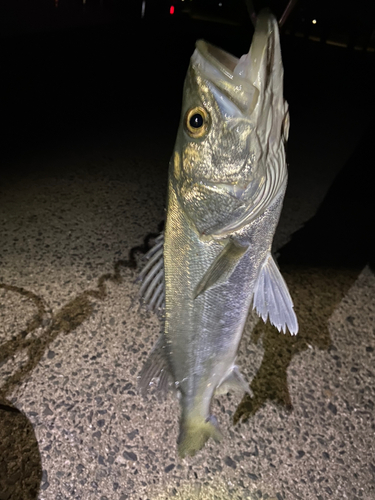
(226, 185)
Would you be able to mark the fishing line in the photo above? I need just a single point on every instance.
(253, 17)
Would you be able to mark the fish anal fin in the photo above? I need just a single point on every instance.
(272, 298)
(234, 381)
(155, 372)
(221, 268)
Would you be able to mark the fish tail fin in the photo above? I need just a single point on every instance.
(194, 432)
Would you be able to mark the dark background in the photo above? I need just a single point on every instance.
(75, 73)
(70, 70)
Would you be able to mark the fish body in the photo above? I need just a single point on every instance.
(226, 185)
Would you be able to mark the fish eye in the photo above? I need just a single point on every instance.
(197, 122)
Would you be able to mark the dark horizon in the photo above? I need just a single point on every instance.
(20, 17)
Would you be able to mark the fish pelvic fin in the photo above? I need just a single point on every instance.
(155, 372)
(272, 298)
(194, 432)
(221, 268)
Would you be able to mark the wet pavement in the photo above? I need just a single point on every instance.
(82, 194)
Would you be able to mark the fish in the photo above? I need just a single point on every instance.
(226, 184)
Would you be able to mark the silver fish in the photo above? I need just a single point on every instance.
(227, 180)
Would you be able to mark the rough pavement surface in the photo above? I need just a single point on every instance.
(73, 340)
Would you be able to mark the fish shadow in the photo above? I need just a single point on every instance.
(320, 264)
(20, 464)
(21, 474)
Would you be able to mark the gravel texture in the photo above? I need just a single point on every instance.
(73, 340)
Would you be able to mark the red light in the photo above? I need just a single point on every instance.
(171, 10)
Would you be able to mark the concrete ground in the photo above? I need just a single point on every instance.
(80, 191)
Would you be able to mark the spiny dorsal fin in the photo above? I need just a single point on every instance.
(272, 298)
(152, 291)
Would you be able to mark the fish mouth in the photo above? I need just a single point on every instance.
(241, 81)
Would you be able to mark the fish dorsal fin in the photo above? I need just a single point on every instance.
(272, 299)
(152, 290)
(156, 370)
(221, 268)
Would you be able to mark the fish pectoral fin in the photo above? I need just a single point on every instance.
(234, 381)
(272, 298)
(194, 432)
(221, 268)
(156, 368)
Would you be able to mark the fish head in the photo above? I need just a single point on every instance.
(233, 126)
